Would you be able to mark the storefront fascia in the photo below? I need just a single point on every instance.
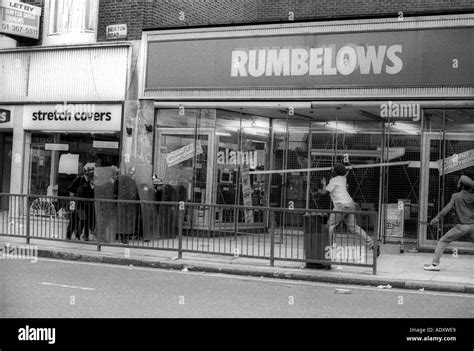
(44, 88)
(208, 76)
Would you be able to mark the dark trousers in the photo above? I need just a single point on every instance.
(72, 225)
(86, 219)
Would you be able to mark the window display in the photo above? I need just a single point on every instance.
(56, 159)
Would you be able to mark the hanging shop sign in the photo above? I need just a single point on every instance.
(428, 57)
(184, 153)
(393, 153)
(73, 117)
(456, 162)
(19, 19)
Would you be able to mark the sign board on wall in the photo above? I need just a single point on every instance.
(5, 117)
(73, 117)
(6, 120)
(20, 19)
(116, 31)
(308, 60)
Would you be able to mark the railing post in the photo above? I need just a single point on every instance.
(27, 219)
(272, 238)
(375, 248)
(180, 229)
(96, 223)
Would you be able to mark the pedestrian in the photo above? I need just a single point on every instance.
(342, 201)
(74, 220)
(463, 204)
(85, 209)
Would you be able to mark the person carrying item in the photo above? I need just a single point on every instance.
(463, 204)
(342, 201)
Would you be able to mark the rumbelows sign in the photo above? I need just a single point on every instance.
(73, 117)
(425, 57)
(330, 60)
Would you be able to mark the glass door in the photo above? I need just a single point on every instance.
(443, 151)
(184, 163)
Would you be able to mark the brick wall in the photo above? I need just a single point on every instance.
(277, 10)
(173, 13)
(139, 14)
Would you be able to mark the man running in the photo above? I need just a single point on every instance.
(463, 204)
(342, 201)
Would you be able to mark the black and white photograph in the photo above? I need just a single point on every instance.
(290, 164)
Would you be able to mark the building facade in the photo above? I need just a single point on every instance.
(251, 102)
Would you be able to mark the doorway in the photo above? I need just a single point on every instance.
(184, 164)
(451, 152)
(6, 143)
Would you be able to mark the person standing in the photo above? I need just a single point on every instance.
(342, 201)
(72, 227)
(85, 209)
(463, 204)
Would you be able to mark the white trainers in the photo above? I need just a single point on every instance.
(431, 267)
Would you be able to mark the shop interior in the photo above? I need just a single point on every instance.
(56, 159)
(230, 149)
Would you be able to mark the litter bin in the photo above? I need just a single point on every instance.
(316, 240)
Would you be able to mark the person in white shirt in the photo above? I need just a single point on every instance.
(342, 201)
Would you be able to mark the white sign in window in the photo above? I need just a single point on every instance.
(98, 144)
(56, 147)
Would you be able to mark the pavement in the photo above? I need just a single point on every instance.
(394, 269)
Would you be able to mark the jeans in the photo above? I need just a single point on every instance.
(453, 234)
(349, 219)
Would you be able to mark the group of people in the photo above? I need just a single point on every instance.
(462, 202)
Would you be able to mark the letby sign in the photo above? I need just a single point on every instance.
(73, 117)
(309, 60)
(19, 19)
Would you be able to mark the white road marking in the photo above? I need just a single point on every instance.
(270, 280)
(67, 286)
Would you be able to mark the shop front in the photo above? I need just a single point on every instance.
(257, 115)
(61, 139)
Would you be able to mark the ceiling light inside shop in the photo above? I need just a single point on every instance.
(406, 128)
(223, 134)
(255, 130)
(341, 127)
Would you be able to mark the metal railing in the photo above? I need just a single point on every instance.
(274, 234)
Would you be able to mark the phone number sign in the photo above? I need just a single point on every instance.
(19, 19)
